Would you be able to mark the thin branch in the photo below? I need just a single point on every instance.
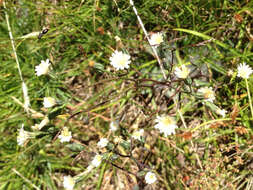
(123, 169)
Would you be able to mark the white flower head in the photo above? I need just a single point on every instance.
(150, 178)
(48, 102)
(156, 39)
(138, 134)
(42, 68)
(244, 71)
(221, 112)
(166, 125)
(68, 182)
(96, 160)
(120, 60)
(114, 125)
(23, 136)
(103, 142)
(207, 93)
(65, 135)
(182, 72)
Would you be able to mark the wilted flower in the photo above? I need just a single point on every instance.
(30, 35)
(68, 182)
(44, 122)
(65, 135)
(49, 102)
(23, 136)
(166, 125)
(156, 39)
(117, 38)
(244, 71)
(182, 72)
(150, 178)
(138, 134)
(26, 97)
(103, 142)
(114, 125)
(120, 60)
(36, 127)
(207, 93)
(221, 112)
(96, 160)
(230, 72)
(42, 68)
(118, 139)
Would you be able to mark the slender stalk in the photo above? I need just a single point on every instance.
(193, 147)
(24, 87)
(25, 179)
(250, 102)
(146, 34)
(184, 124)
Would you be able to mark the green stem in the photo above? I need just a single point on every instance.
(250, 102)
(101, 176)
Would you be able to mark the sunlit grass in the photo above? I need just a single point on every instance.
(206, 149)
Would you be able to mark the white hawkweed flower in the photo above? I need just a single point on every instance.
(96, 160)
(65, 135)
(244, 71)
(68, 182)
(150, 178)
(221, 112)
(42, 68)
(166, 125)
(207, 93)
(114, 126)
(103, 142)
(156, 39)
(138, 134)
(48, 102)
(182, 72)
(23, 136)
(120, 60)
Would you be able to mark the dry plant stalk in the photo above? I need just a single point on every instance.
(24, 87)
(146, 34)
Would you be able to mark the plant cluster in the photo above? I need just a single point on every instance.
(113, 95)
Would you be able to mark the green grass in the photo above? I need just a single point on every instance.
(207, 151)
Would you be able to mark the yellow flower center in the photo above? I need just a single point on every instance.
(159, 39)
(208, 94)
(244, 73)
(122, 61)
(65, 132)
(167, 121)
